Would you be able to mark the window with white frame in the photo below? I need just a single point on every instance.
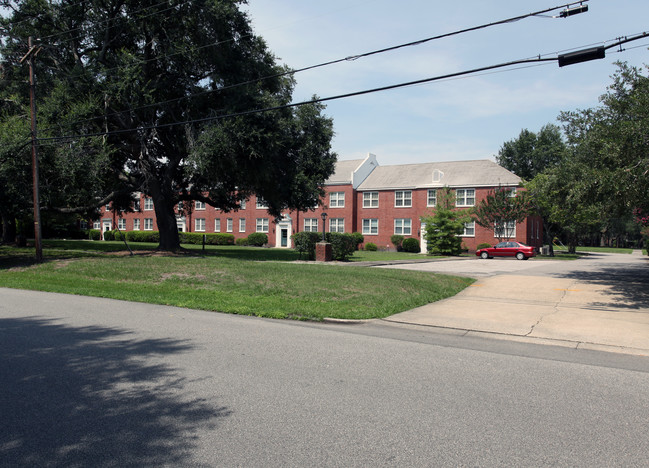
(432, 197)
(337, 200)
(336, 224)
(465, 197)
(121, 224)
(199, 224)
(96, 225)
(148, 204)
(199, 205)
(229, 223)
(311, 224)
(107, 206)
(469, 229)
(403, 226)
(242, 205)
(370, 226)
(136, 224)
(148, 224)
(262, 224)
(242, 224)
(505, 230)
(370, 199)
(217, 225)
(136, 205)
(402, 198)
(261, 204)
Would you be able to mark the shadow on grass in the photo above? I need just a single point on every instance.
(87, 397)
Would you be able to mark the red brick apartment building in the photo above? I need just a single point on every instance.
(361, 196)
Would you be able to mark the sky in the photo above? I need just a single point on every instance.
(458, 119)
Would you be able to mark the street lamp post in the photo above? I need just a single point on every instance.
(324, 217)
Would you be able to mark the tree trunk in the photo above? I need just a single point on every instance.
(167, 226)
(8, 228)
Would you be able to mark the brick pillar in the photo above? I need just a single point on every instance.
(323, 252)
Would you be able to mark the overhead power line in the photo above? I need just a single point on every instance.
(348, 58)
(539, 59)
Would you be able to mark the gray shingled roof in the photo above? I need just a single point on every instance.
(343, 172)
(479, 173)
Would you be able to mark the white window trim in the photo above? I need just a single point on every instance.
(369, 232)
(464, 198)
(148, 204)
(150, 228)
(199, 224)
(339, 200)
(229, 225)
(199, 205)
(242, 224)
(263, 222)
(217, 225)
(403, 198)
(261, 204)
(508, 225)
(428, 197)
(338, 222)
(370, 199)
(312, 223)
(469, 225)
(404, 225)
(136, 224)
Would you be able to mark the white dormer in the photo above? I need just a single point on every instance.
(437, 176)
(367, 166)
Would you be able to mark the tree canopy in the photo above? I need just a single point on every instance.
(501, 206)
(160, 97)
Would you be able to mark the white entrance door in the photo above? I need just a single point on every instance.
(422, 240)
(180, 222)
(283, 233)
(106, 225)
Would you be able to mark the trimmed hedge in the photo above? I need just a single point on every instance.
(143, 236)
(484, 245)
(343, 245)
(216, 238)
(358, 238)
(371, 247)
(257, 239)
(411, 245)
(397, 241)
(241, 241)
(93, 234)
(304, 242)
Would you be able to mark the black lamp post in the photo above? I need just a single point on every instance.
(324, 217)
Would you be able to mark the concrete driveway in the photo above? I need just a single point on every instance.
(599, 302)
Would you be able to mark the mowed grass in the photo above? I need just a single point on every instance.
(235, 283)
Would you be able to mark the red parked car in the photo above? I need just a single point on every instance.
(507, 249)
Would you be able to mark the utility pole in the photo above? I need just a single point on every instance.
(33, 50)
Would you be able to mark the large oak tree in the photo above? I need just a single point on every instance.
(157, 97)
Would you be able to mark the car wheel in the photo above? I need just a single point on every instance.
(520, 256)
(484, 255)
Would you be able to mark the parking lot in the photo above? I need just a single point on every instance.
(600, 300)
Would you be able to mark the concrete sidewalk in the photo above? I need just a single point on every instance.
(552, 310)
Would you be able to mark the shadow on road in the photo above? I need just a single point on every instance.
(629, 286)
(88, 397)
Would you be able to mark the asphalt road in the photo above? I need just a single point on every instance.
(95, 382)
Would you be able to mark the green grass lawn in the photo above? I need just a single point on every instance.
(240, 280)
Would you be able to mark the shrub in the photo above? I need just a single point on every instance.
(93, 234)
(358, 238)
(257, 239)
(109, 235)
(304, 242)
(396, 240)
(343, 245)
(411, 245)
(119, 235)
(371, 247)
(143, 236)
(483, 245)
(241, 241)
